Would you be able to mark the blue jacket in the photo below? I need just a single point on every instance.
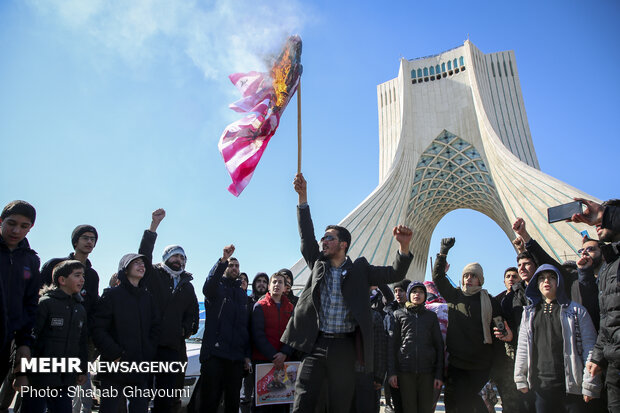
(19, 272)
(226, 325)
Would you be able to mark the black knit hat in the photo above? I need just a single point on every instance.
(81, 229)
(416, 284)
(402, 284)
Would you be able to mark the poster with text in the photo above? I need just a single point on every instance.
(275, 386)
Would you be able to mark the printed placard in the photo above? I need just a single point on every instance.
(275, 386)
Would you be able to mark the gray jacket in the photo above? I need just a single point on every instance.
(578, 334)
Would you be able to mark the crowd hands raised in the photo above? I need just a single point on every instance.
(548, 342)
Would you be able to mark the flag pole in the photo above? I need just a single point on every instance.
(299, 126)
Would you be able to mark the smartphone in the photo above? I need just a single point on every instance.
(564, 211)
(499, 323)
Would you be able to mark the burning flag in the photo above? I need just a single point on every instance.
(264, 97)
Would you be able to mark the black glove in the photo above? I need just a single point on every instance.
(446, 244)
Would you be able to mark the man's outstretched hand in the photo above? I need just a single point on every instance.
(301, 187)
(592, 215)
(402, 235)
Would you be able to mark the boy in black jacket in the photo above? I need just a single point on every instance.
(19, 275)
(126, 328)
(415, 352)
(60, 331)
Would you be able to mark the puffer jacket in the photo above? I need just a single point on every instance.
(578, 335)
(126, 324)
(60, 331)
(416, 345)
(607, 348)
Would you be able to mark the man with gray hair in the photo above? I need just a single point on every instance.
(172, 289)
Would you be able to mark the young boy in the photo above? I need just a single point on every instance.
(126, 328)
(60, 332)
(416, 352)
(19, 272)
(555, 339)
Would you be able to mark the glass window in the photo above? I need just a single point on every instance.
(449, 65)
(426, 71)
(419, 72)
(443, 67)
(432, 70)
(413, 74)
(437, 70)
(455, 66)
(461, 61)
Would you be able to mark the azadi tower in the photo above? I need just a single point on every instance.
(453, 133)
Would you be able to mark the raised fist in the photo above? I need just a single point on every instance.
(446, 244)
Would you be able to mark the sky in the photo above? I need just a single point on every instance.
(112, 109)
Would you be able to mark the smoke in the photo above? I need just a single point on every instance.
(219, 36)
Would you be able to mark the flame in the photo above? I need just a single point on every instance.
(279, 73)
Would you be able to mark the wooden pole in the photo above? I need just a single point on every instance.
(299, 127)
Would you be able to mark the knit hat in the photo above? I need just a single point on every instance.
(171, 250)
(402, 284)
(80, 230)
(415, 284)
(476, 269)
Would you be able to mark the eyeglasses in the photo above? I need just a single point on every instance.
(587, 249)
(88, 238)
(328, 237)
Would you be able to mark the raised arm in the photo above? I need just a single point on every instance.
(217, 272)
(439, 270)
(147, 244)
(309, 246)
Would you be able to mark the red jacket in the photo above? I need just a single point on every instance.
(268, 324)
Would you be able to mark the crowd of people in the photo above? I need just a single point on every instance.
(549, 342)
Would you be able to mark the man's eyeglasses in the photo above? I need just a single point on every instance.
(587, 249)
(88, 238)
(328, 237)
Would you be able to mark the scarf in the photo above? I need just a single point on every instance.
(175, 275)
(486, 310)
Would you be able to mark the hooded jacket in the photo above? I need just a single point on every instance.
(60, 331)
(578, 340)
(303, 327)
(90, 291)
(19, 272)
(178, 306)
(126, 324)
(268, 323)
(607, 348)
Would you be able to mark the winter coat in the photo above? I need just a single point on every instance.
(465, 338)
(90, 291)
(578, 336)
(178, 306)
(19, 272)
(416, 345)
(126, 325)
(380, 347)
(60, 331)
(268, 324)
(227, 321)
(607, 348)
(303, 328)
